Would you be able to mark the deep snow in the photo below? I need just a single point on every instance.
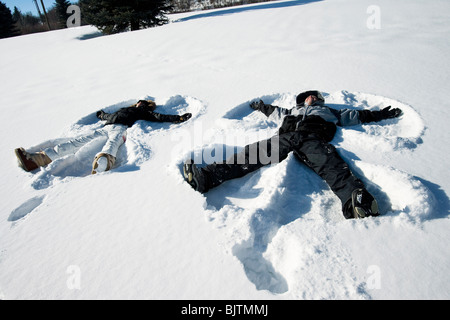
(140, 232)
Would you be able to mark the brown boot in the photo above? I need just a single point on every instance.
(103, 162)
(31, 161)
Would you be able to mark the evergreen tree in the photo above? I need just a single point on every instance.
(114, 16)
(17, 16)
(61, 11)
(7, 23)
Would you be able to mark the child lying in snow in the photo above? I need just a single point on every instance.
(115, 130)
(306, 130)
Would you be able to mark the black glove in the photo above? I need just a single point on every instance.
(267, 109)
(388, 113)
(100, 114)
(184, 117)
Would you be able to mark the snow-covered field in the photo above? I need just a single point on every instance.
(140, 232)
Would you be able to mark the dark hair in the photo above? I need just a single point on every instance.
(302, 96)
(147, 103)
(143, 101)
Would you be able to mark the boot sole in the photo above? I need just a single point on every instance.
(108, 167)
(360, 213)
(24, 163)
(188, 174)
(190, 177)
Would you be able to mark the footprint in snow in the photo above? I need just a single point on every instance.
(26, 208)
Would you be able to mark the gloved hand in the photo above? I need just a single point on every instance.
(100, 114)
(257, 105)
(267, 109)
(388, 113)
(184, 117)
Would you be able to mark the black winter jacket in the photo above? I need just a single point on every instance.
(318, 119)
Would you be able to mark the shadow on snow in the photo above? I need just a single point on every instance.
(239, 9)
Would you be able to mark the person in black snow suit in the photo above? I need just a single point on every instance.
(306, 130)
(115, 132)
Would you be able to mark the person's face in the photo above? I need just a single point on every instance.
(310, 100)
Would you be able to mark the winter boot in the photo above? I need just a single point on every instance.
(194, 176)
(103, 162)
(31, 161)
(364, 204)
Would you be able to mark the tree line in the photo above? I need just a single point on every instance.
(17, 23)
(189, 5)
(109, 16)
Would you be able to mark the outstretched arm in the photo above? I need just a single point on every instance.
(268, 109)
(102, 115)
(158, 117)
(129, 118)
(373, 116)
(350, 117)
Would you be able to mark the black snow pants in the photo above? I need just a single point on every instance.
(317, 154)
